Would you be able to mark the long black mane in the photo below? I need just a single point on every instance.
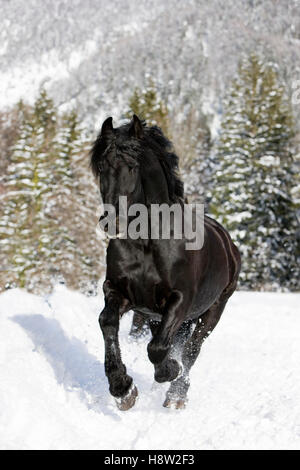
(132, 150)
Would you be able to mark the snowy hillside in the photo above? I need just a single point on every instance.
(54, 394)
(93, 53)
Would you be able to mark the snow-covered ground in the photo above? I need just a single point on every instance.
(245, 391)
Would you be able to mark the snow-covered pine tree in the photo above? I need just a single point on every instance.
(15, 205)
(192, 140)
(254, 180)
(48, 208)
(148, 105)
(9, 128)
(25, 231)
(73, 204)
(60, 202)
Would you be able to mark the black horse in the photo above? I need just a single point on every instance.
(182, 292)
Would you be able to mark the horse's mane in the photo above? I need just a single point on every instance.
(163, 148)
(132, 150)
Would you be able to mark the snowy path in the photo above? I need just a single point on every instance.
(245, 389)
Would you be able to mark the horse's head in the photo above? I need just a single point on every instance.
(137, 162)
(115, 161)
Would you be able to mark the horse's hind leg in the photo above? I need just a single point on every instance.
(177, 394)
(166, 368)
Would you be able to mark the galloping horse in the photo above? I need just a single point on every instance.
(181, 292)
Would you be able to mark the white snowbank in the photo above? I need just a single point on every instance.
(54, 394)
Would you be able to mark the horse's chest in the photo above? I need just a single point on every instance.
(144, 283)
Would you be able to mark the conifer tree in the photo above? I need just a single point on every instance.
(193, 143)
(148, 106)
(29, 183)
(74, 207)
(48, 209)
(254, 180)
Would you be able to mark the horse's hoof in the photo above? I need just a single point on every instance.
(127, 402)
(178, 404)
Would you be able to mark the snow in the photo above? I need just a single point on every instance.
(24, 80)
(54, 394)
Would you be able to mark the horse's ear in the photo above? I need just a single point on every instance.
(107, 127)
(136, 127)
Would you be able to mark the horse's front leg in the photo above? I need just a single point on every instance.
(120, 384)
(166, 368)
